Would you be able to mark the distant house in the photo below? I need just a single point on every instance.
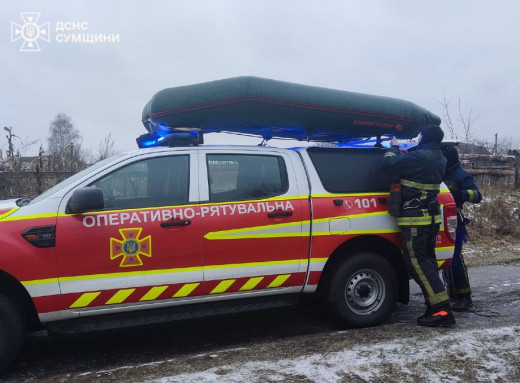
(516, 154)
(26, 162)
(487, 169)
(464, 148)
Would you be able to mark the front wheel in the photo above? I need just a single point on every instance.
(12, 332)
(363, 290)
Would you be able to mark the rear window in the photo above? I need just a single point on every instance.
(351, 170)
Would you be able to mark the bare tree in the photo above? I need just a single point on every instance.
(106, 148)
(64, 143)
(447, 118)
(506, 144)
(10, 143)
(465, 121)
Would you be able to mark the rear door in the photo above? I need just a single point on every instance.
(255, 223)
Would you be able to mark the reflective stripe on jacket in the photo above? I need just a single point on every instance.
(420, 172)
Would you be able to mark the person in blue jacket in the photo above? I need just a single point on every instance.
(463, 188)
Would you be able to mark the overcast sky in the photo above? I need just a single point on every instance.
(421, 51)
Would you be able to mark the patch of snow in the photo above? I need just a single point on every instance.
(412, 357)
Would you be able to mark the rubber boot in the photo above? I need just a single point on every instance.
(438, 317)
(462, 303)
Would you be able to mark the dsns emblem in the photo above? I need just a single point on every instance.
(131, 248)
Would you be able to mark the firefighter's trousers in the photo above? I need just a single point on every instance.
(419, 255)
(456, 276)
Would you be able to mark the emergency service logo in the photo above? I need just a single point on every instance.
(130, 248)
(30, 32)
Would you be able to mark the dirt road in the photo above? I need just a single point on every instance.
(299, 345)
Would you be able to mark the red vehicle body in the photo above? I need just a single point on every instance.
(166, 233)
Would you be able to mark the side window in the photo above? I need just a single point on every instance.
(351, 170)
(239, 177)
(160, 181)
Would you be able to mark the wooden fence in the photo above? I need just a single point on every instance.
(25, 183)
(492, 171)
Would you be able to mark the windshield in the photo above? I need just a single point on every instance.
(75, 177)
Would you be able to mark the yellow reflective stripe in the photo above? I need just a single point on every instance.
(236, 233)
(85, 299)
(29, 217)
(128, 274)
(418, 270)
(357, 232)
(153, 293)
(445, 248)
(417, 185)
(185, 290)
(248, 232)
(431, 298)
(251, 283)
(283, 198)
(228, 234)
(441, 262)
(374, 231)
(319, 259)
(223, 286)
(40, 281)
(279, 280)
(406, 221)
(389, 154)
(470, 192)
(351, 216)
(56, 214)
(341, 195)
(120, 296)
(463, 291)
(7, 213)
(165, 271)
(255, 264)
(438, 298)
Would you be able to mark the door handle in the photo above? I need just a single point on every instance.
(280, 214)
(176, 223)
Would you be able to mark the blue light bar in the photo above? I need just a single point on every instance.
(170, 138)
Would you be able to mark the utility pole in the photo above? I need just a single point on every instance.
(495, 148)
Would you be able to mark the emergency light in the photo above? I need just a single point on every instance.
(174, 137)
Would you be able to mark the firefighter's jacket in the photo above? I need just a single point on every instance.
(420, 173)
(461, 185)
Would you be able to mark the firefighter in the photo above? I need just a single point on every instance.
(463, 188)
(420, 173)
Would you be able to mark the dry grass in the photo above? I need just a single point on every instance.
(494, 230)
(496, 217)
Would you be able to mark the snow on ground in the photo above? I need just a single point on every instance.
(488, 355)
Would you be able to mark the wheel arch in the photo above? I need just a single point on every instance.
(12, 289)
(372, 243)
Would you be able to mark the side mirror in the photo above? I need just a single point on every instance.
(85, 199)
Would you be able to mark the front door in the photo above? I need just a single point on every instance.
(144, 247)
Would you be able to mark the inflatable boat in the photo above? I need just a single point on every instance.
(278, 109)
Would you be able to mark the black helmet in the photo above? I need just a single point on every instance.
(432, 134)
(451, 154)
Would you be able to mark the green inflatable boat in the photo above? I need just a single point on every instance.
(277, 109)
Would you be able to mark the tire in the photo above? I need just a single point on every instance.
(363, 290)
(12, 333)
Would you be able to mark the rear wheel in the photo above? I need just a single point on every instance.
(12, 332)
(363, 290)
